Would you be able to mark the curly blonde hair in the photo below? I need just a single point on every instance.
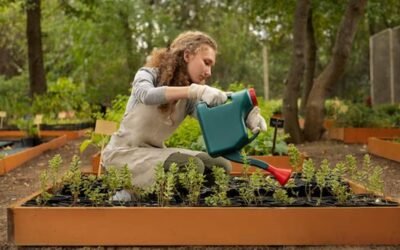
(170, 61)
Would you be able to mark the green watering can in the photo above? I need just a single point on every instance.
(225, 132)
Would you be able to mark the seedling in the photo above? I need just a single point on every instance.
(220, 189)
(321, 178)
(193, 181)
(73, 178)
(295, 158)
(308, 173)
(164, 184)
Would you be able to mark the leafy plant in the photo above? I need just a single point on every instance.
(308, 175)
(280, 195)
(73, 178)
(321, 178)
(164, 184)
(192, 181)
(187, 136)
(358, 116)
(27, 126)
(44, 195)
(92, 190)
(54, 171)
(62, 95)
(340, 190)
(220, 189)
(295, 158)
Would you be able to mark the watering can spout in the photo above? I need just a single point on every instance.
(281, 175)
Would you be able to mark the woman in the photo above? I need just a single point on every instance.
(164, 92)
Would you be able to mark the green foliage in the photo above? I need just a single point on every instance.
(116, 112)
(164, 184)
(358, 116)
(321, 178)
(334, 108)
(97, 140)
(63, 95)
(54, 172)
(281, 195)
(116, 179)
(73, 178)
(295, 158)
(340, 191)
(187, 135)
(192, 181)
(308, 175)
(219, 189)
(27, 126)
(44, 196)
(15, 88)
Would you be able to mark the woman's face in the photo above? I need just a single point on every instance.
(199, 64)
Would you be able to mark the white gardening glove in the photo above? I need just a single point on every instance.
(255, 122)
(122, 195)
(210, 95)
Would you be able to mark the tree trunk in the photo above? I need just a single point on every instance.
(296, 72)
(313, 127)
(37, 77)
(265, 71)
(311, 55)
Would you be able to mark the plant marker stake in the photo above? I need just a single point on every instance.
(37, 121)
(3, 114)
(276, 123)
(104, 127)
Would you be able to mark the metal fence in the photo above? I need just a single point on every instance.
(385, 66)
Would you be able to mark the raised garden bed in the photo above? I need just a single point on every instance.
(70, 134)
(373, 221)
(385, 147)
(21, 154)
(361, 135)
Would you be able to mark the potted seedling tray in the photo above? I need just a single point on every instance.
(388, 148)
(361, 135)
(15, 152)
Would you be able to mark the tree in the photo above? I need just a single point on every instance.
(313, 126)
(37, 76)
(327, 79)
(296, 72)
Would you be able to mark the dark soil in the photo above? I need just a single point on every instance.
(24, 180)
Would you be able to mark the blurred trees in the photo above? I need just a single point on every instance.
(102, 43)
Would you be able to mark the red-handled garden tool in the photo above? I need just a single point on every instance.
(225, 132)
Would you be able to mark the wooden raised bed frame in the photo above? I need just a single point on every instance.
(385, 148)
(361, 135)
(151, 226)
(15, 160)
(70, 134)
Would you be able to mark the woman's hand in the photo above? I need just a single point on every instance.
(255, 122)
(210, 95)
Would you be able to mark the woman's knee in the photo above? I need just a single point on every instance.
(181, 160)
(210, 162)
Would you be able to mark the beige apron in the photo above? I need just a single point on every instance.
(139, 142)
